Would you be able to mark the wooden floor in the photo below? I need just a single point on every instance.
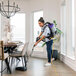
(36, 68)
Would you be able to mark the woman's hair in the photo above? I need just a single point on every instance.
(41, 20)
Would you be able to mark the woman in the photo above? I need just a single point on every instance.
(44, 33)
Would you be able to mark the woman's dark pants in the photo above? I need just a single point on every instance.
(49, 50)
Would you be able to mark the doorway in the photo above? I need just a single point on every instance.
(39, 51)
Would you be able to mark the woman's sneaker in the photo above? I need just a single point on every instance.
(47, 64)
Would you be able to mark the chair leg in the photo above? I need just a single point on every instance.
(22, 61)
(25, 61)
(17, 61)
(11, 60)
(26, 57)
(1, 67)
(7, 63)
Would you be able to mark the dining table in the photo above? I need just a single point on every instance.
(8, 48)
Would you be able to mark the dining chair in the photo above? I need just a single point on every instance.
(21, 54)
(3, 57)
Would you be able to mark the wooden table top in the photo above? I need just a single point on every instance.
(13, 43)
(10, 44)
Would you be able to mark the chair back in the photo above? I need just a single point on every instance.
(25, 48)
(1, 50)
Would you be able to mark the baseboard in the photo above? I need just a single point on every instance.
(68, 61)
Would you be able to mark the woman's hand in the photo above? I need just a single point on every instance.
(39, 40)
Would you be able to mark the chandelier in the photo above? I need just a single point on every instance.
(8, 10)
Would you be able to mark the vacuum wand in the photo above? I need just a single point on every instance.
(32, 50)
(34, 46)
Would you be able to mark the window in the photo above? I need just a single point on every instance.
(71, 53)
(68, 28)
(18, 25)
